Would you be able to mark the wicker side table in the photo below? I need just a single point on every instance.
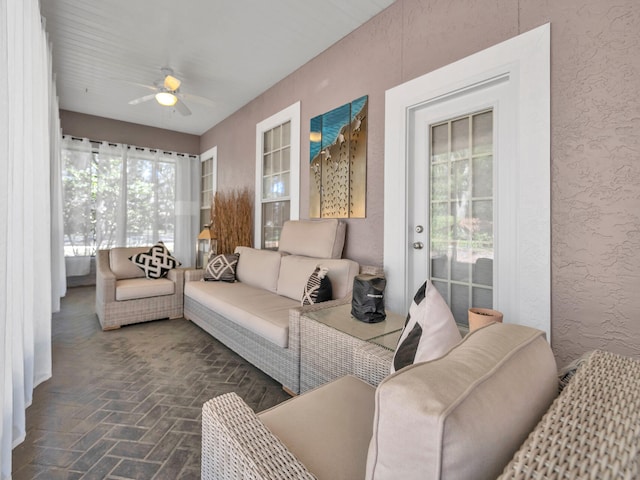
(328, 338)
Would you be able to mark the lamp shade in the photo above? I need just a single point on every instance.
(205, 234)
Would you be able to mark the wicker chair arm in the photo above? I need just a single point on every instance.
(372, 363)
(105, 278)
(592, 429)
(237, 445)
(193, 275)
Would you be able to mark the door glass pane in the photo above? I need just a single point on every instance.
(440, 143)
(461, 212)
(483, 133)
(460, 138)
(483, 176)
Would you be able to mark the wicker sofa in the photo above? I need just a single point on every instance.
(124, 296)
(487, 409)
(258, 316)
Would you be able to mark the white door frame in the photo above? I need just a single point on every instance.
(525, 266)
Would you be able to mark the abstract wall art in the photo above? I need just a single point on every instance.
(338, 162)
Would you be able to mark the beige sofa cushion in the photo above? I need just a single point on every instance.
(327, 429)
(313, 238)
(258, 268)
(295, 271)
(463, 415)
(262, 312)
(120, 264)
(135, 288)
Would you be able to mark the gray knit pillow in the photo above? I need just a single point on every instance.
(221, 268)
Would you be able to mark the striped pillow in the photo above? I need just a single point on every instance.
(318, 287)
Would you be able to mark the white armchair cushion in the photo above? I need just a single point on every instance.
(258, 268)
(120, 264)
(327, 429)
(465, 414)
(134, 288)
(313, 238)
(296, 269)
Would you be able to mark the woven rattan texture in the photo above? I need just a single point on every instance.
(282, 364)
(372, 363)
(326, 353)
(114, 314)
(237, 446)
(591, 431)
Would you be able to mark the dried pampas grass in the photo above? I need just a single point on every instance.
(232, 219)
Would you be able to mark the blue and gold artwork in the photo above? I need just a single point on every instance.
(338, 162)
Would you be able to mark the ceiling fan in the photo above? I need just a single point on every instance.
(167, 93)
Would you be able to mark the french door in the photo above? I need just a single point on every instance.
(453, 166)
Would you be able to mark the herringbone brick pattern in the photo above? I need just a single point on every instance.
(126, 404)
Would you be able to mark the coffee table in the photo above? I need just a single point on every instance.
(328, 338)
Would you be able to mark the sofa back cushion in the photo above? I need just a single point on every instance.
(465, 414)
(120, 264)
(258, 268)
(313, 238)
(296, 269)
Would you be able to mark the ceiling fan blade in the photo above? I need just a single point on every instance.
(198, 99)
(182, 108)
(142, 99)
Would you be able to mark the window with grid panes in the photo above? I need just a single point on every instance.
(276, 183)
(461, 212)
(206, 191)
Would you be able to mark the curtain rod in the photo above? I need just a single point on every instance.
(135, 147)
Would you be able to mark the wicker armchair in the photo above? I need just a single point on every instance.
(591, 430)
(153, 299)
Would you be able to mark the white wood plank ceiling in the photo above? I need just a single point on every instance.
(107, 52)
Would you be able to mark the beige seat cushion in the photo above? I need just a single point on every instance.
(257, 310)
(327, 429)
(258, 268)
(295, 271)
(134, 288)
(313, 238)
(463, 415)
(120, 264)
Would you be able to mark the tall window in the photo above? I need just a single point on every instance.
(115, 195)
(277, 175)
(461, 212)
(208, 181)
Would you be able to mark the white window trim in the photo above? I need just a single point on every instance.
(292, 114)
(524, 293)
(212, 153)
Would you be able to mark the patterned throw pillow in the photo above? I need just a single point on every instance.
(429, 332)
(156, 262)
(318, 287)
(221, 268)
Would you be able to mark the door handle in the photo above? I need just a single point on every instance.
(418, 245)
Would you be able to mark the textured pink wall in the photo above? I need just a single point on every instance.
(595, 122)
(106, 129)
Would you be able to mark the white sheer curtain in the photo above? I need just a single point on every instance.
(187, 207)
(77, 179)
(145, 196)
(26, 96)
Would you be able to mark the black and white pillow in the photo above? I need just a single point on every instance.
(155, 262)
(318, 287)
(429, 332)
(221, 268)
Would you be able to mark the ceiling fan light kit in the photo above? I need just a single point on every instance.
(166, 99)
